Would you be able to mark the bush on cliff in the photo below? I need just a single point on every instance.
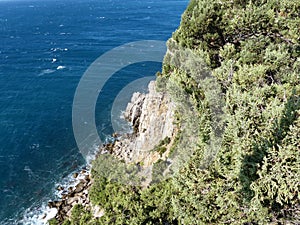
(252, 49)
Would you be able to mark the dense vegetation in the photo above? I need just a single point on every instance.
(252, 49)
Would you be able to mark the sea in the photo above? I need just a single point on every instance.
(45, 48)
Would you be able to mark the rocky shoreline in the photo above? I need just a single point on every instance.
(72, 195)
(151, 117)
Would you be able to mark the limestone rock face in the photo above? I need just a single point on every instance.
(151, 116)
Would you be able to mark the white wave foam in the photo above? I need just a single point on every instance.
(46, 71)
(41, 214)
(38, 216)
(60, 67)
(59, 49)
(90, 157)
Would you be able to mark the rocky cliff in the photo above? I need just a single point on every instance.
(151, 116)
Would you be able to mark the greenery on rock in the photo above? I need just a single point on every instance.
(161, 147)
(252, 49)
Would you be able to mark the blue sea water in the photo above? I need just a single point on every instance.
(45, 48)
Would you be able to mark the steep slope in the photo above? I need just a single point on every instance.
(249, 107)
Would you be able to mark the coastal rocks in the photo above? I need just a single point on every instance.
(97, 212)
(151, 116)
(72, 195)
(79, 187)
(60, 188)
(51, 213)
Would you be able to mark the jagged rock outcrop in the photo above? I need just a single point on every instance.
(151, 116)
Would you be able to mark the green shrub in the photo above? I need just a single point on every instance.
(252, 49)
(52, 222)
(79, 216)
